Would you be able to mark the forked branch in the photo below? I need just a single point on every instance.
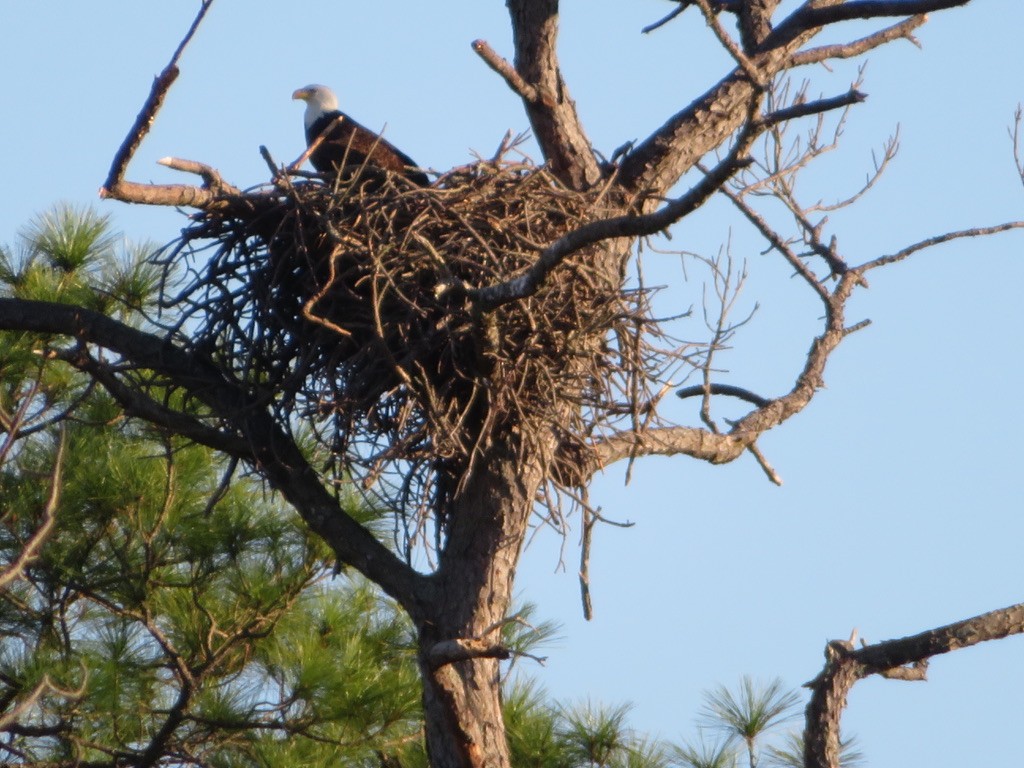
(903, 659)
(144, 121)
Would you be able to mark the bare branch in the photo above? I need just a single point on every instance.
(755, 21)
(173, 195)
(514, 80)
(859, 47)
(1015, 139)
(211, 176)
(10, 718)
(814, 16)
(556, 124)
(817, 107)
(778, 243)
(904, 659)
(928, 242)
(661, 159)
(701, 444)
(730, 45)
(729, 390)
(680, 7)
(460, 649)
(765, 465)
(145, 118)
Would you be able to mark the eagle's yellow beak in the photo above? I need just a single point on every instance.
(301, 93)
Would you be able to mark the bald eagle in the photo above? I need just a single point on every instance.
(347, 142)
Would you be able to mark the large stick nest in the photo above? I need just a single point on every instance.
(347, 304)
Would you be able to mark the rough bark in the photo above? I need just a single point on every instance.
(903, 659)
(472, 593)
(551, 111)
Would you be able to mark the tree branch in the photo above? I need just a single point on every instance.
(890, 659)
(816, 107)
(748, 67)
(728, 390)
(861, 46)
(138, 404)
(928, 242)
(463, 649)
(269, 449)
(144, 120)
(552, 113)
(30, 551)
(523, 89)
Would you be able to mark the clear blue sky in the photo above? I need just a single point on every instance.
(901, 508)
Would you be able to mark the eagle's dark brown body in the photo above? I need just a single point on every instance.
(347, 143)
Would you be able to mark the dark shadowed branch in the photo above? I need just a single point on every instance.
(728, 390)
(264, 444)
(809, 17)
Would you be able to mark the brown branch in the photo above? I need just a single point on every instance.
(176, 195)
(938, 240)
(755, 22)
(269, 449)
(460, 649)
(861, 46)
(701, 444)
(815, 16)
(586, 539)
(552, 113)
(144, 120)
(714, 448)
(139, 405)
(903, 659)
(13, 424)
(779, 244)
(773, 477)
(721, 448)
(9, 719)
(523, 89)
(662, 158)
(315, 144)
(730, 45)
(210, 175)
(31, 549)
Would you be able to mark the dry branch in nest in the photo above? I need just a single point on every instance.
(350, 305)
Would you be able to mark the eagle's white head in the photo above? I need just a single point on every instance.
(319, 101)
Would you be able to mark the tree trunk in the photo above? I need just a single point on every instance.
(472, 590)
